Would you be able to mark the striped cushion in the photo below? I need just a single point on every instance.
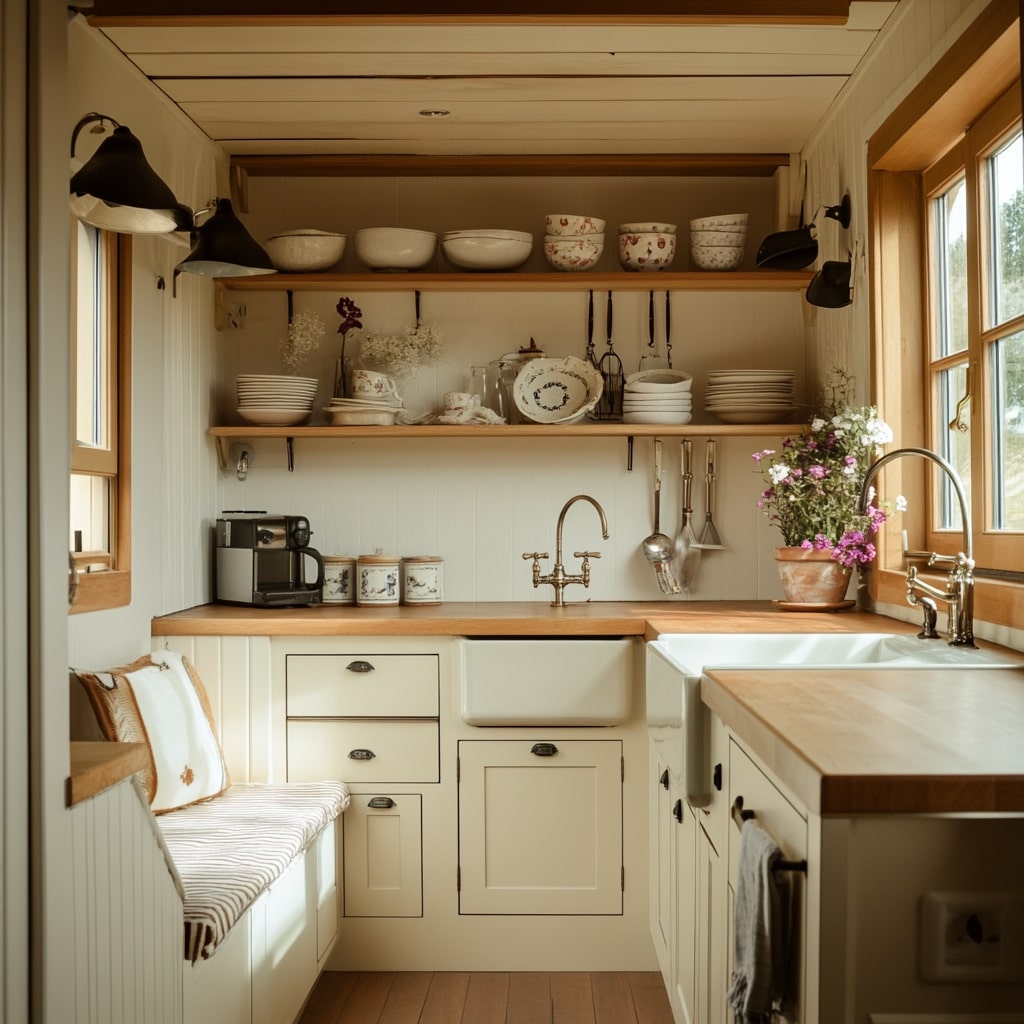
(228, 850)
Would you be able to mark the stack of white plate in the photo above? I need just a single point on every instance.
(275, 401)
(750, 396)
(658, 396)
(362, 412)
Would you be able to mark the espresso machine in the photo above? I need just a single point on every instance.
(262, 560)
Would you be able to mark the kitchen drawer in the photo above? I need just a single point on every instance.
(401, 751)
(361, 685)
(775, 814)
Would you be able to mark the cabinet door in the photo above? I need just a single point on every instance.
(712, 933)
(660, 864)
(383, 856)
(686, 935)
(540, 826)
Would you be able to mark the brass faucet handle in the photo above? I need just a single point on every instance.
(959, 560)
(535, 555)
(586, 554)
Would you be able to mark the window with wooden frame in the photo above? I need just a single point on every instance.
(100, 495)
(947, 240)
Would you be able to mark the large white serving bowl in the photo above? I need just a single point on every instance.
(305, 249)
(497, 249)
(273, 417)
(717, 257)
(557, 390)
(395, 248)
(646, 250)
(573, 252)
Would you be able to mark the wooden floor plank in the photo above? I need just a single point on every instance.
(367, 998)
(529, 998)
(613, 1002)
(328, 997)
(572, 998)
(446, 998)
(406, 998)
(649, 998)
(486, 999)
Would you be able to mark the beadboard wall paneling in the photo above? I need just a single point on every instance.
(126, 917)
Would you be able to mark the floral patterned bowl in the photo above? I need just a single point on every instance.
(573, 252)
(647, 250)
(573, 224)
(557, 390)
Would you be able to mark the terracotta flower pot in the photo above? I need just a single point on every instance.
(811, 577)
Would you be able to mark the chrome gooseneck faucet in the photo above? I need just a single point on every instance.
(558, 577)
(959, 593)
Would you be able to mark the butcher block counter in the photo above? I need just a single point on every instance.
(514, 618)
(882, 741)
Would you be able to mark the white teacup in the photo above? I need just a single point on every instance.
(371, 384)
(459, 401)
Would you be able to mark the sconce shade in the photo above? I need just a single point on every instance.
(830, 286)
(223, 248)
(788, 250)
(119, 191)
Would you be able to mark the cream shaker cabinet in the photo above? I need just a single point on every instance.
(540, 826)
(371, 720)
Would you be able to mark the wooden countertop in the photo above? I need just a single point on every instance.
(883, 741)
(96, 766)
(512, 618)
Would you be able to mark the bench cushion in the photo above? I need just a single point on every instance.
(229, 850)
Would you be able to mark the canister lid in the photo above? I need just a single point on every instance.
(379, 559)
(422, 558)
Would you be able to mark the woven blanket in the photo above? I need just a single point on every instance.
(231, 848)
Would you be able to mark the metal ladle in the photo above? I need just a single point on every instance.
(658, 549)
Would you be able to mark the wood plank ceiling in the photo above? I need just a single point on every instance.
(405, 85)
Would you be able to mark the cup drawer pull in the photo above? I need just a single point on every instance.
(361, 754)
(544, 749)
(359, 666)
(379, 803)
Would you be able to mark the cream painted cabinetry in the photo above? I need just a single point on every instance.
(370, 719)
(540, 826)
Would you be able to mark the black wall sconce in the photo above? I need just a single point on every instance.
(117, 190)
(798, 248)
(831, 286)
(222, 247)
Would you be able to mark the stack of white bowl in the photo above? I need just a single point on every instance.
(647, 246)
(573, 241)
(718, 243)
(275, 401)
(658, 396)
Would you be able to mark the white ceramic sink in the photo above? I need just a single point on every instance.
(678, 721)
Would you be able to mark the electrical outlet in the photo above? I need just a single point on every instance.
(972, 936)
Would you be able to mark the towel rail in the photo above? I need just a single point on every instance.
(741, 814)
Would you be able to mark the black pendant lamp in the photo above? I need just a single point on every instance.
(117, 189)
(222, 247)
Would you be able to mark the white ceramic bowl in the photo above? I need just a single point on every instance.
(273, 417)
(395, 248)
(557, 390)
(487, 251)
(725, 236)
(305, 249)
(361, 417)
(646, 250)
(569, 252)
(659, 381)
(723, 220)
(717, 257)
(632, 229)
(657, 417)
(572, 224)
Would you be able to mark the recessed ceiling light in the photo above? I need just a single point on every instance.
(434, 112)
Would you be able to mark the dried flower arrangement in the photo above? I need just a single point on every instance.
(305, 332)
(401, 354)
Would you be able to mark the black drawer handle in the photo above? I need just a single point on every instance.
(361, 754)
(677, 811)
(359, 666)
(717, 777)
(663, 779)
(380, 803)
(544, 749)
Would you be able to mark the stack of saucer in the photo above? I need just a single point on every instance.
(362, 412)
(750, 396)
(270, 400)
(657, 396)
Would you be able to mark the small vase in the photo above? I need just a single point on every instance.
(811, 578)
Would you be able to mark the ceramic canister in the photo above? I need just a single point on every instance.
(339, 579)
(422, 579)
(377, 579)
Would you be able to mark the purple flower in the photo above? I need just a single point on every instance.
(350, 314)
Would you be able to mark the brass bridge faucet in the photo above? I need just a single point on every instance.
(558, 577)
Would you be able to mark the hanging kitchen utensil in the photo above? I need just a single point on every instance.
(657, 548)
(668, 328)
(687, 552)
(709, 538)
(610, 366)
(591, 356)
(651, 358)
